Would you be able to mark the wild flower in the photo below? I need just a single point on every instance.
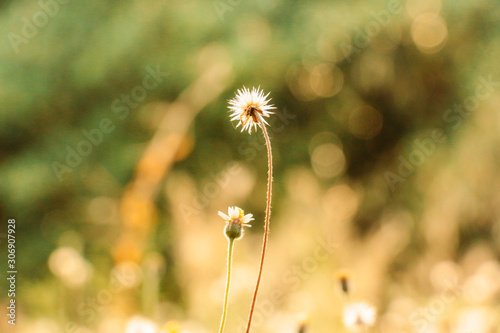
(235, 221)
(359, 316)
(250, 107)
(139, 324)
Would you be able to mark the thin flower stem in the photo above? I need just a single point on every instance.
(226, 294)
(268, 217)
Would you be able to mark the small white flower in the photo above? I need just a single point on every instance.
(236, 214)
(250, 108)
(235, 221)
(138, 324)
(358, 316)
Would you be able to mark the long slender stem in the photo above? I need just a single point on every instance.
(226, 294)
(268, 217)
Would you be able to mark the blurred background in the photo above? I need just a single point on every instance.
(117, 153)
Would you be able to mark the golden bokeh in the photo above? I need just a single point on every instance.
(429, 32)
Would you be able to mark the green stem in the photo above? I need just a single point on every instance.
(226, 294)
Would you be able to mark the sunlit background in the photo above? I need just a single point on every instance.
(117, 152)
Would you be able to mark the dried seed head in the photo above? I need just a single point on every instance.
(249, 107)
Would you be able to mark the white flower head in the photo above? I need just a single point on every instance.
(358, 316)
(250, 108)
(138, 324)
(235, 220)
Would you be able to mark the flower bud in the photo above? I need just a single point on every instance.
(234, 230)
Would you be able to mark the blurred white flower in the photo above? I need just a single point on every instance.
(250, 107)
(475, 319)
(138, 324)
(358, 316)
(68, 265)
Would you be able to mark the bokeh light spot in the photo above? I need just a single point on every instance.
(429, 32)
(328, 160)
(365, 122)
